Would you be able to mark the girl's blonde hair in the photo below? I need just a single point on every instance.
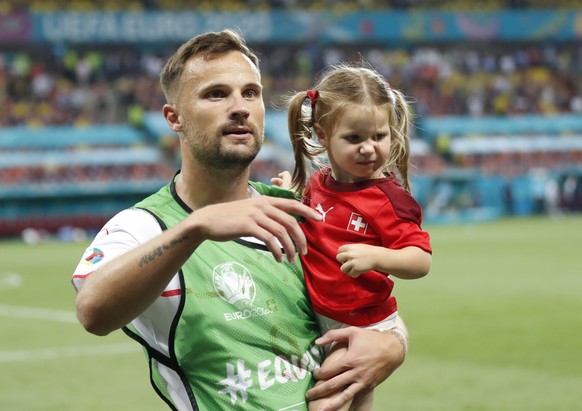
(339, 87)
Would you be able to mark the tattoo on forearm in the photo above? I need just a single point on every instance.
(159, 251)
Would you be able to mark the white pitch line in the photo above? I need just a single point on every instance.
(67, 352)
(34, 313)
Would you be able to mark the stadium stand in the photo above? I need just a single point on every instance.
(60, 176)
(497, 126)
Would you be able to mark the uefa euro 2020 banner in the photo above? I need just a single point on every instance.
(291, 27)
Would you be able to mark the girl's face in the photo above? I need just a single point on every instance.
(359, 145)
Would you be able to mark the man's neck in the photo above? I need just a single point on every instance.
(202, 187)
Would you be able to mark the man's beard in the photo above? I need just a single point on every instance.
(211, 152)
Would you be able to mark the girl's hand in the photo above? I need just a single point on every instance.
(356, 259)
(283, 180)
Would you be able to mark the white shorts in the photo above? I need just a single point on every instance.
(390, 323)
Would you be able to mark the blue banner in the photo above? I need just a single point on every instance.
(292, 27)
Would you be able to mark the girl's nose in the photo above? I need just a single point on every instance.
(367, 147)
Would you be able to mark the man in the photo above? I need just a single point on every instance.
(204, 274)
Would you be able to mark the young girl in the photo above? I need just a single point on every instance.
(371, 226)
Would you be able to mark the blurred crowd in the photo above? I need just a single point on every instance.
(118, 84)
(455, 79)
(75, 87)
(236, 5)
(49, 173)
(93, 85)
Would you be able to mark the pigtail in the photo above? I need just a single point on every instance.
(400, 129)
(299, 124)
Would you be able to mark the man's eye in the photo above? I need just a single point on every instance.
(215, 94)
(250, 94)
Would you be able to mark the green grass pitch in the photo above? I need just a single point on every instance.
(495, 326)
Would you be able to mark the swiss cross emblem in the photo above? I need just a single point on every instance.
(357, 223)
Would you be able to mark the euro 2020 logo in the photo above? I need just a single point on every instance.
(234, 283)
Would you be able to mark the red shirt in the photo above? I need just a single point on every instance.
(377, 212)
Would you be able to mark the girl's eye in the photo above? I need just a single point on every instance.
(353, 139)
(379, 137)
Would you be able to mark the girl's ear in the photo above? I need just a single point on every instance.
(321, 136)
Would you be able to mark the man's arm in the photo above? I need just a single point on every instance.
(123, 288)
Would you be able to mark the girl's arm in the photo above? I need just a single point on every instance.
(407, 263)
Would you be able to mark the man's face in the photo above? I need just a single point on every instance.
(222, 111)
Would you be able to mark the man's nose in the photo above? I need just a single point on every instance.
(239, 107)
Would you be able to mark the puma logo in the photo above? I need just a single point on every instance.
(319, 208)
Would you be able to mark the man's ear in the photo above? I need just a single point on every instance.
(172, 117)
(321, 137)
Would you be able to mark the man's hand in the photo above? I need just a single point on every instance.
(266, 218)
(370, 359)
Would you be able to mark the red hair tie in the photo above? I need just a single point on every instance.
(312, 94)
